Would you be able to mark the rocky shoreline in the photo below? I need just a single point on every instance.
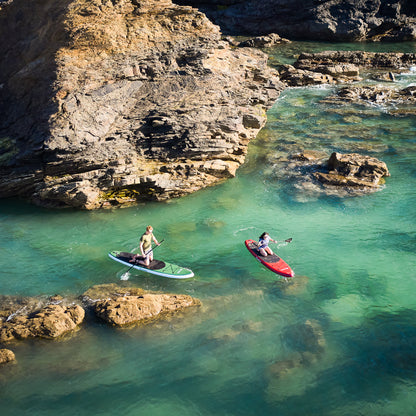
(121, 103)
(56, 317)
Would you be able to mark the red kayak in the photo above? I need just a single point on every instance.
(272, 262)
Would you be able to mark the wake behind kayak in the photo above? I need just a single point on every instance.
(272, 262)
(157, 267)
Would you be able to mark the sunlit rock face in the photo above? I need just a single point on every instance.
(107, 103)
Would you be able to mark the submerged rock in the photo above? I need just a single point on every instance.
(308, 344)
(127, 310)
(107, 103)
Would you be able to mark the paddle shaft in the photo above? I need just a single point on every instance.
(285, 241)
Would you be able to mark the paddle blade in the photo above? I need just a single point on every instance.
(289, 240)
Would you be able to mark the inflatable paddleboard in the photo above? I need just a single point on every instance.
(157, 267)
(272, 262)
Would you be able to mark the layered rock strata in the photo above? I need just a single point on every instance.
(6, 356)
(110, 102)
(331, 67)
(339, 20)
(54, 317)
(51, 321)
(353, 170)
(127, 310)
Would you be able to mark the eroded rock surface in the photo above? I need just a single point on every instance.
(51, 321)
(373, 94)
(127, 310)
(6, 356)
(312, 174)
(110, 102)
(353, 170)
(340, 20)
(330, 67)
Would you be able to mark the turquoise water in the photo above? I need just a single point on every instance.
(338, 339)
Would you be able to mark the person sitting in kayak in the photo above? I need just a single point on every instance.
(145, 246)
(263, 244)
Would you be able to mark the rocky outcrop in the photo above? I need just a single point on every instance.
(127, 310)
(38, 317)
(353, 170)
(312, 174)
(110, 102)
(373, 94)
(6, 356)
(52, 321)
(331, 67)
(294, 77)
(349, 61)
(339, 20)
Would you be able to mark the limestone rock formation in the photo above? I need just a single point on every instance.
(339, 20)
(353, 170)
(110, 102)
(126, 310)
(373, 94)
(312, 174)
(51, 321)
(264, 41)
(330, 67)
(6, 356)
(294, 77)
(351, 60)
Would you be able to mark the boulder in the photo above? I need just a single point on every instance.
(6, 356)
(349, 61)
(295, 77)
(264, 41)
(51, 321)
(127, 310)
(373, 94)
(353, 170)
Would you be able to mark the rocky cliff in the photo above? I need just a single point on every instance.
(340, 20)
(105, 102)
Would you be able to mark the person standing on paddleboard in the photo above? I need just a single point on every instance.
(145, 247)
(263, 244)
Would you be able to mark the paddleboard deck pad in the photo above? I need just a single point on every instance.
(272, 262)
(157, 267)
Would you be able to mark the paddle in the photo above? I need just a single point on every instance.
(285, 241)
(150, 250)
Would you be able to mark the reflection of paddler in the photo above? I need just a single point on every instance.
(145, 247)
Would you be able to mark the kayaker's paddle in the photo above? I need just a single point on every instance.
(284, 241)
(150, 250)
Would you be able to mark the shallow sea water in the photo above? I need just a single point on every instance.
(338, 339)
